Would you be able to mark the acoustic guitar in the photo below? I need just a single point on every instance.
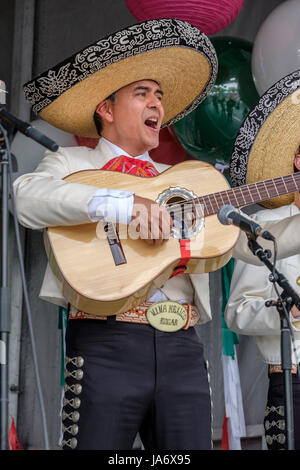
(104, 270)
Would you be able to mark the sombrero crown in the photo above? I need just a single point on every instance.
(171, 52)
(269, 138)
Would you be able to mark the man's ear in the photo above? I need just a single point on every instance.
(104, 109)
(297, 161)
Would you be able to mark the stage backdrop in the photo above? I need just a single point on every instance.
(36, 36)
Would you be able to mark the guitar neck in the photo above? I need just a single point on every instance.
(250, 193)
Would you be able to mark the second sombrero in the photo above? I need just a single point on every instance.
(269, 138)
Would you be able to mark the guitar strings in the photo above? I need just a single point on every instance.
(235, 195)
(240, 198)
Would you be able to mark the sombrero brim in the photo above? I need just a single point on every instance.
(269, 138)
(171, 52)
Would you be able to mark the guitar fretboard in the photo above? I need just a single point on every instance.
(249, 193)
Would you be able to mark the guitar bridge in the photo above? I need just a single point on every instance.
(114, 243)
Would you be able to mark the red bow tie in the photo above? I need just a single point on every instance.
(132, 166)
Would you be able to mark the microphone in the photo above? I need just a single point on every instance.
(22, 126)
(228, 215)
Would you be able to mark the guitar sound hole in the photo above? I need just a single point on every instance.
(182, 212)
(185, 210)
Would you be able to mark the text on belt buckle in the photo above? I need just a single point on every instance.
(167, 316)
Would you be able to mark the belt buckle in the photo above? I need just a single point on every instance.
(167, 316)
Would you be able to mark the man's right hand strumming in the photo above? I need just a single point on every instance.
(150, 221)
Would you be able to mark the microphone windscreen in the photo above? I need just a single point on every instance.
(223, 214)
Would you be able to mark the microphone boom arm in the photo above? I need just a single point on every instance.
(28, 130)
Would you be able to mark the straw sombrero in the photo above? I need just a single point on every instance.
(171, 52)
(269, 138)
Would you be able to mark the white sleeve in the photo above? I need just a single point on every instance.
(286, 231)
(246, 312)
(44, 199)
(111, 205)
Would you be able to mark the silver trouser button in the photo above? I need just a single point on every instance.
(74, 402)
(73, 429)
(77, 361)
(70, 443)
(73, 416)
(77, 388)
(76, 374)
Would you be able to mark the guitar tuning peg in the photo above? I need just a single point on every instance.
(298, 280)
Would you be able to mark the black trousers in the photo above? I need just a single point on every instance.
(274, 421)
(125, 378)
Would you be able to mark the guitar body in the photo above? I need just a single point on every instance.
(80, 256)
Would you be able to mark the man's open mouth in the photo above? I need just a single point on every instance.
(152, 122)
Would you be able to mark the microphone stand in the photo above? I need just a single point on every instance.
(287, 299)
(11, 124)
(4, 292)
